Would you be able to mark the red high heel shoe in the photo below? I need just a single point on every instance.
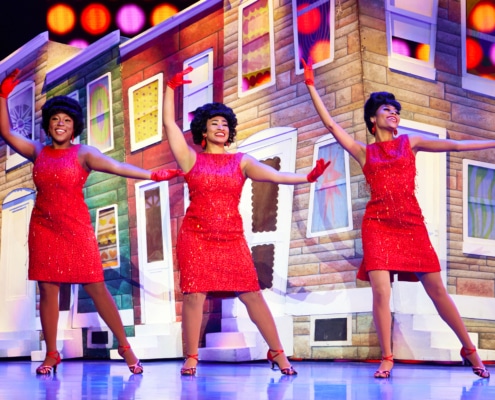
(136, 368)
(384, 374)
(46, 369)
(191, 370)
(482, 372)
(271, 359)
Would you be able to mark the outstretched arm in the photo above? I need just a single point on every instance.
(183, 154)
(24, 146)
(260, 172)
(93, 159)
(355, 148)
(425, 143)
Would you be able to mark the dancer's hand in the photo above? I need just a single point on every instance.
(165, 174)
(309, 77)
(318, 170)
(178, 79)
(9, 83)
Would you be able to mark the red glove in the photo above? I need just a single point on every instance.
(9, 83)
(318, 170)
(178, 79)
(165, 174)
(309, 77)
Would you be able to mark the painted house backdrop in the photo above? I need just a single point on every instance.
(436, 56)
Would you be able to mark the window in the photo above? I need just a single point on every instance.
(145, 112)
(21, 113)
(478, 45)
(314, 27)
(200, 91)
(107, 235)
(478, 208)
(330, 208)
(100, 119)
(411, 36)
(256, 55)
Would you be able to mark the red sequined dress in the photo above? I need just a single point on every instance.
(62, 241)
(212, 252)
(394, 234)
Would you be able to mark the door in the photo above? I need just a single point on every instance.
(17, 293)
(268, 236)
(155, 252)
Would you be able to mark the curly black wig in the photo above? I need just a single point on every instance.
(204, 113)
(376, 100)
(66, 105)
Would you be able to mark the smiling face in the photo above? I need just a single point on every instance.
(61, 128)
(386, 117)
(217, 130)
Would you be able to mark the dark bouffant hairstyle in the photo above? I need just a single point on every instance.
(66, 105)
(210, 110)
(376, 100)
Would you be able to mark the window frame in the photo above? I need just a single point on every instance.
(472, 245)
(272, 82)
(108, 77)
(158, 135)
(410, 65)
(192, 92)
(14, 159)
(297, 61)
(117, 241)
(472, 82)
(324, 141)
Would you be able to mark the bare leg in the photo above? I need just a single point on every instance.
(49, 316)
(447, 310)
(192, 317)
(262, 317)
(106, 307)
(380, 287)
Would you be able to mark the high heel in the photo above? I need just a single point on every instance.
(191, 370)
(46, 369)
(136, 368)
(271, 359)
(482, 372)
(384, 374)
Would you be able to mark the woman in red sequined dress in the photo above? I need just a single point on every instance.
(212, 252)
(62, 243)
(395, 238)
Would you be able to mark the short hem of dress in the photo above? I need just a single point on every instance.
(65, 281)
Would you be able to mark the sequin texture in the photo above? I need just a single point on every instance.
(212, 251)
(394, 234)
(62, 242)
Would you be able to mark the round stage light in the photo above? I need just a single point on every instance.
(95, 19)
(400, 46)
(60, 19)
(80, 43)
(423, 52)
(482, 16)
(474, 53)
(320, 51)
(309, 22)
(162, 12)
(130, 19)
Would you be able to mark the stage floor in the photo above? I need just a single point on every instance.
(95, 380)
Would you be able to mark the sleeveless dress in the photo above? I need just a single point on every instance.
(394, 234)
(62, 242)
(212, 252)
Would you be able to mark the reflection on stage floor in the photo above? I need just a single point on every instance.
(94, 379)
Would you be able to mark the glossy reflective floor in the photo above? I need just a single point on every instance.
(95, 380)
